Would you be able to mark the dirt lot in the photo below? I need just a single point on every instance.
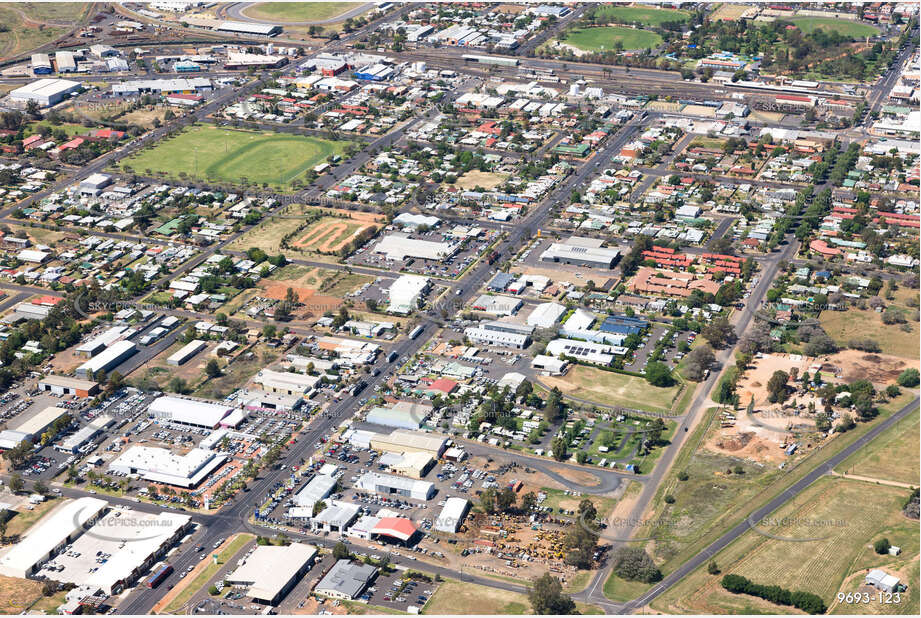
(318, 290)
(578, 476)
(476, 178)
(881, 369)
(331, 234)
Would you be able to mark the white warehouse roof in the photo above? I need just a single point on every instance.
(162, 466)
(271, 568)
(52, 530)
(546, 315)
(398, 247)
(452, 515)
(188, 411)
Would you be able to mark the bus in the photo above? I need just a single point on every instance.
(159, 574)
(416, 331)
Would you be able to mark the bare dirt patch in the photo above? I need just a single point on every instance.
(476, 178)
(881, 369)
(581, 477)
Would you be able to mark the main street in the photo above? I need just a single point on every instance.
(233, 516)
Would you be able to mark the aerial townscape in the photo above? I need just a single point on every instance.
(460, 308)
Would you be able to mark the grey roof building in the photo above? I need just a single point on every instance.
(346, 580)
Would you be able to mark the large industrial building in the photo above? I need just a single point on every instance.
(390, 485)
(405, 293)
(399, 247)
(159, 465)
(112, 357)
(41, 64)
(271, 571)
(580, 251)
(346, 580)
(134, 541)
(496, 333)
(318, 489)
(33, 427)
(285, 382)
(186, 352)
(49, 535)
(188, 411)
(62, 385)
(46, 92)
(546, 315)
(98, 344)
(73, 442)
(401, 415)
(193, 85)
(452, 515)
(243, 27)
(403, 441)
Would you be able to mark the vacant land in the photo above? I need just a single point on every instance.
(231, 155)
(454, 597)
(22, 520)
(614, 389)
(17, 595)
(846, 27)
(144, 117)
(844, 326)
(816, 541)
(476, 178)
(556, 500)
(605, 38)
(284, 12)
(893, 456)
(646, 16)
(31, 24)
(729, 12)
(330, 234)
(236, 373)
(320, 239)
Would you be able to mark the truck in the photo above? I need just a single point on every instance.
(392, 356)
(416, 331)
(357, 388)
(159, 574)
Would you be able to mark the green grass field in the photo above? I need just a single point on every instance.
(454, 597)
(818, 540)
(231, 155)
(615, 389)
(647, 16)
(47, 21)
(604, 38)
(846, 27)
(299, 11)
(893, 456)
